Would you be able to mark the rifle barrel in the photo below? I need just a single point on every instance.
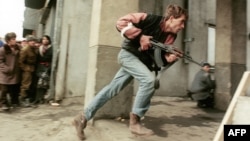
(170, 49)
(191, 60)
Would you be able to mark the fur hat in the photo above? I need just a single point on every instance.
(31, 38)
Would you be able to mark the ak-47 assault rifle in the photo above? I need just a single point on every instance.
(158, 46)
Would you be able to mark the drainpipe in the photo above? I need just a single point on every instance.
(187, 38)
(248, 39)
(56, 47)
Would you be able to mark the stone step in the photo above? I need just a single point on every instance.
(241, 113)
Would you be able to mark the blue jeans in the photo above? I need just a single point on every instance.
(131, 67)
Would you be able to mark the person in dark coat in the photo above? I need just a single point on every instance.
(9, 71)
(45, 55)
(203, 86)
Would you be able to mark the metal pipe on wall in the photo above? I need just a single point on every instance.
(56, 47)
(248, 40)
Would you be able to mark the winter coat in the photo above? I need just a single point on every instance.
(9, 68)
(28, 58)
(44, 60)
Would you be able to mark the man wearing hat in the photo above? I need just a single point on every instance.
(202, 87)
(27, 62)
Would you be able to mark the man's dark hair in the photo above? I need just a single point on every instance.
(9, 36)
(48, 38)
(175, 11)
(206, 64)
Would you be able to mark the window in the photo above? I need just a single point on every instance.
(211, 45)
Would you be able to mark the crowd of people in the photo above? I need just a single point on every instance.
(24, 71)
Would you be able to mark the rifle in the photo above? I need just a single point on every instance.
(158, 46)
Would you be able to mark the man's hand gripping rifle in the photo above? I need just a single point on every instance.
(171, 49)
(158, 47)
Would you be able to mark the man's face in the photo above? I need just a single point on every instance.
(206, 68)
(177, 24)
(12, 42)
(24, 43)
(31, 43)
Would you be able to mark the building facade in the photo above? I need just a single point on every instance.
(86, 44)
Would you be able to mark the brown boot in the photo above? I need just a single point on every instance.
(80, 123)
(136, 128)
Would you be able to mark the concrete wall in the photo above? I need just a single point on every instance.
(73, 57)
(230, 49)
(201, 14)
